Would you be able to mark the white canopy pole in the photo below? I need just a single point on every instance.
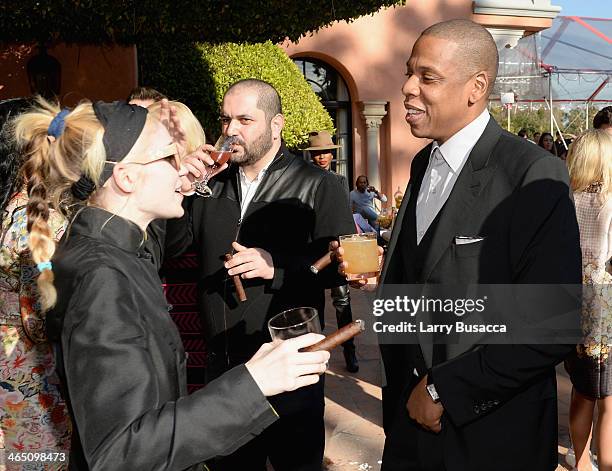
(586, 123)
(550, 100)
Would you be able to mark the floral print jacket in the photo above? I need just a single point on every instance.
(33, 415)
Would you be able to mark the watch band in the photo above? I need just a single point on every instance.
(431, 389)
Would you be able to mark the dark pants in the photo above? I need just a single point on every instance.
(408, 447)
(295, 442)
(415, 450)
(341, 299)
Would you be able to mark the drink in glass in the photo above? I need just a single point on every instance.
(361, 254)
(294, 322)
(220, 156)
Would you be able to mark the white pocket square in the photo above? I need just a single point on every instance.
(464, 240)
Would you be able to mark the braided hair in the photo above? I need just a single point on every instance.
(52, 165)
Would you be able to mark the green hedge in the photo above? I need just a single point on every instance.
(200, 74)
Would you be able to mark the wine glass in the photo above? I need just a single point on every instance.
(220, 155)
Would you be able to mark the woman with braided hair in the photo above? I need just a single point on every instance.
(33, 415)
(119, 353)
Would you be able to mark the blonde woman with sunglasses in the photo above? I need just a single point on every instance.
(112, 168)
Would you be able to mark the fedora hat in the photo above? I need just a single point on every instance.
(320, 140)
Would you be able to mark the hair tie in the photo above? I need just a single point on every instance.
(83, 188)
(56, 128)
(42, 266)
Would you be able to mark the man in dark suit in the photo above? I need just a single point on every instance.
(482, 207)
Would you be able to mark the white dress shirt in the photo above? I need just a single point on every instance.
(445, 163)
(249, 188)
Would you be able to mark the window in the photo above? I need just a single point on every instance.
(329, 85)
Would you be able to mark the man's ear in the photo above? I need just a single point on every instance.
(277, 124)
(480, 85)
(125, 176)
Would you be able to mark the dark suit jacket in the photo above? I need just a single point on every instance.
(499, 400)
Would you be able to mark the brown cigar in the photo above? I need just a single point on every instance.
(338, 337)
(320, 264)
(237, 282)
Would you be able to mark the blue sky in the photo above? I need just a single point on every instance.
(592, 8)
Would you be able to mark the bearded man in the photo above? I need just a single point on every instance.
(277, 214)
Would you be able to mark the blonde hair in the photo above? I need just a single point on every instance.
(51, 167)
(589, 161)
(194, 132)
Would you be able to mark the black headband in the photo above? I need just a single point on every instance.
(123, 124)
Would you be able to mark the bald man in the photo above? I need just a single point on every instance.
(276, 213)
(482, 207)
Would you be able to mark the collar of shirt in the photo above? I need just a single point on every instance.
(457, 149)
(245, 181)
(248, 188)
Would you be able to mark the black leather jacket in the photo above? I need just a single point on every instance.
(296, 210)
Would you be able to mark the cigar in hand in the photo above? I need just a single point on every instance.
(237, 282)
(338, 337)
(320, 264)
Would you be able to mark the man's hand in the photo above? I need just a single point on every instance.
(423, 409)
(198, 163)
(250, 263)
(338, 255)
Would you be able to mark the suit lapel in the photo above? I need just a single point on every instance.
(463, 200)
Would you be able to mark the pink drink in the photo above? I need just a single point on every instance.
(220, 157)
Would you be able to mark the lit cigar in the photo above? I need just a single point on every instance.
(320, 264)
(338, 337)
(237, 282)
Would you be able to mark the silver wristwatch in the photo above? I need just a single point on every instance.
(431, 389)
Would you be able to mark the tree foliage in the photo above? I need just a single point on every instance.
(132, 21)
(570, 121)
(200, 74)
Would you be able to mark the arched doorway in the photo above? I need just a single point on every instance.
(329, 85)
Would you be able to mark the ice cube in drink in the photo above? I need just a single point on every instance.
(361, 254)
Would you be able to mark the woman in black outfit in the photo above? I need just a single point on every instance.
(120, 355)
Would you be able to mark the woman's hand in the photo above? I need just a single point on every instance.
(169, 118)
(279, 366)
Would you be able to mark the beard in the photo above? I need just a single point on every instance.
(253, 151)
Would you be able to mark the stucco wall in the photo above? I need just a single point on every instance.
(371, 54)
(97, 73)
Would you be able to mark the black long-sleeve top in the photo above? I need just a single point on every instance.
(123, 364)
